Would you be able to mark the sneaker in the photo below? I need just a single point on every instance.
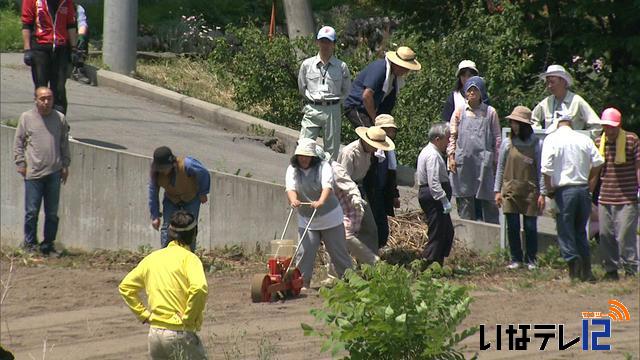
(328, 282)
(532, 266)
(513, 266)
(48, 250)
(78, 75)
(611, 276)
(30, 248)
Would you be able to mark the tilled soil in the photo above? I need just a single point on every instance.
(63, 313)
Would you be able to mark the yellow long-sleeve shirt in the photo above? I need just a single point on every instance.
(176, 288)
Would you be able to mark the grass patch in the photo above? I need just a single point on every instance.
(224, 259)
(191, 77)
(10, 30)
(11, 122)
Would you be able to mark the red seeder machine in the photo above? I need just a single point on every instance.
(283, 277)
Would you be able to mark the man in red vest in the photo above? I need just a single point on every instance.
(53, 26)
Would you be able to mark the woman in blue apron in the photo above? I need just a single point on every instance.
(473, 147)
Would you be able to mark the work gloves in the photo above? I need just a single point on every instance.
(83, 43)
(358, 203)
(446, 205)
(28, 57)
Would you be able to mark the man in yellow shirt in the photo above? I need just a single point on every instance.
(176, 287)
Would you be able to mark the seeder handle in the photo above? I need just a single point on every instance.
(306, 229)
(286, 225)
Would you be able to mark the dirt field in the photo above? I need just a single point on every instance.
(76, 313)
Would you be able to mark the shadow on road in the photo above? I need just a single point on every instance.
(101, 143)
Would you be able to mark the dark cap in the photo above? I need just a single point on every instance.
(162, 158)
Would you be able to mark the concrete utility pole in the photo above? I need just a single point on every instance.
(299, 18)
(120, 35)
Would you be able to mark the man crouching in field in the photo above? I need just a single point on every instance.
(176, 287)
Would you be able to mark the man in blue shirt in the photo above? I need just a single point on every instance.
(376, 88)
(186, 183)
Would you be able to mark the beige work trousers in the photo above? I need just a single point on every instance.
(175, 345)
(325, 121)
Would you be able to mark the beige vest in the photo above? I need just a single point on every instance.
(519, 191)
(185, 188)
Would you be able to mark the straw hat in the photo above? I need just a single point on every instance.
(306, 147)
(404, 57)
(376, 137)
(520, 113)
(385, 121)
(559, 71)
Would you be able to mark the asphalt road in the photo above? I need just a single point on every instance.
(105, 117)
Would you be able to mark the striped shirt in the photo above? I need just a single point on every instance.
(620, 182)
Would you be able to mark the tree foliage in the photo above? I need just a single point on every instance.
(510, 41)
(263, 72)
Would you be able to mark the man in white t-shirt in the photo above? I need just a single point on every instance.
(570, 161)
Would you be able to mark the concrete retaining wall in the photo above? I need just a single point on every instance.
(104, 203)
(485, 238)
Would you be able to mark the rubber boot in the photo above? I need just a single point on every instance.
(574, 268)
(586, 274)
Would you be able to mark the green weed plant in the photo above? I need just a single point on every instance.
(10, 30)
(388, 312)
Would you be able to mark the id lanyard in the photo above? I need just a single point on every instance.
(326, 70)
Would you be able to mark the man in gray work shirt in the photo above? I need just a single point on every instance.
(41, 153)
(323, 81)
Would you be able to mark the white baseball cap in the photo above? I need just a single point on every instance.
(327, 32)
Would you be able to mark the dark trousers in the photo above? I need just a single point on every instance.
(530, 237)
(45, 189)
(168, 209)
(380, 216)
(440, 230)
(50, 68)
(574, 209)
(358, 118)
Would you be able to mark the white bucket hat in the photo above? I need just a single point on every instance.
(323, 155)
(385, 121)
(306, 147)
(467, 64)
(376, 137)
(559, 71)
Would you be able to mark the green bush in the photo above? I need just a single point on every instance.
(10, 30)
(388, 312)
(264, 73)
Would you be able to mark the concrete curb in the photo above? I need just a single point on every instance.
(229, 119)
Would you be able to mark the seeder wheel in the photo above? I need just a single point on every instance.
(260, 288)
(296, 282)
